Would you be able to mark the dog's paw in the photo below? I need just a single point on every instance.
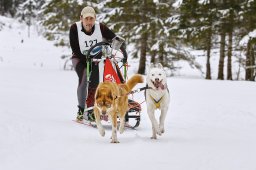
(102, 132)
(114, 141)
(153, 137)
(158, 131)
(162, 129)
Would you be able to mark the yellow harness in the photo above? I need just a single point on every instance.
(157, 103)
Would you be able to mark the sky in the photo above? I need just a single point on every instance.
(210, 125)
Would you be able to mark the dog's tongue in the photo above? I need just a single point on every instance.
(159, 84)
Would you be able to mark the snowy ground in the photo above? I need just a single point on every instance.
(210, 125)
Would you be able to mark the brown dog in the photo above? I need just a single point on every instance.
(112, 99)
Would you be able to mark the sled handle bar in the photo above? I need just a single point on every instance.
(100, 44)
(96, 45)
(100, 59)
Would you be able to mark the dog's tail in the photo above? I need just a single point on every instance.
(135, 79)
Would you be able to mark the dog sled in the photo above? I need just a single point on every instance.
(112, 66)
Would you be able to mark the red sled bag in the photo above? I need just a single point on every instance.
(110, 73)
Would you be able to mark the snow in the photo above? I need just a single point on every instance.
(246, 38)
(210, 125)
(203, 1)
(177, 3)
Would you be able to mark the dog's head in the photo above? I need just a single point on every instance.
(156, 77)
(104, 99)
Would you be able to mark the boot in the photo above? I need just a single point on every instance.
(90, 115)
(80, 114)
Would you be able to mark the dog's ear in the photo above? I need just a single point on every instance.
(159, 65)
(97, 94)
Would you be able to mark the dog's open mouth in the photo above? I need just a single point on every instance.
(104, 117)
(158, 84)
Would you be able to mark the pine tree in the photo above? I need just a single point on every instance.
(227, 11)
(9, 7)
(248, 25)
(206, 31)
(193, 29)
(58, 16)
(162, 34)
(144, 24)
(129, 19)
(28, 12)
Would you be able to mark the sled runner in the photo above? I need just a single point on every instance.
(111, 66)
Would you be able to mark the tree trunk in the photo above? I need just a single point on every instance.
(253, 64)
(28, 31)
(144, 39)
(248, 61)
(153, 37)
(161, 54)
(222, 54)
(153, 57)
(230, 44)
(208, 65)
(153, 52)
(229, 65)
(143, 52)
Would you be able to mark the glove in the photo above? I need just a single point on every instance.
(124, 60)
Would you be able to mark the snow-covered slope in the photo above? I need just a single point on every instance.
(210, 125)
(20, 50)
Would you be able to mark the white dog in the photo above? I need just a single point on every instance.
(157, 97)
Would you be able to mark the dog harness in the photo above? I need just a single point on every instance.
(157, 103)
